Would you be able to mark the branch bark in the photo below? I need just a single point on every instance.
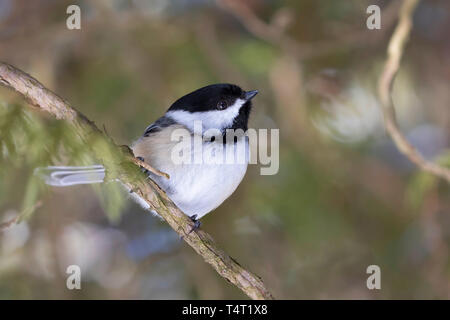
(43, 99)
(394, 54)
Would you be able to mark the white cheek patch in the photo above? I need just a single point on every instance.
(217, 119)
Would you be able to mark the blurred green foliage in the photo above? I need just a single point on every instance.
(28, 142)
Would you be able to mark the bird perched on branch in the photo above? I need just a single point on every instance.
(199, 142)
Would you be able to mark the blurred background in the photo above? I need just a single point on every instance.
(343, 199)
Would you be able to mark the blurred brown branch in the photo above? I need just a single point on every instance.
(276, 35)
(45, 100)
(395, 51)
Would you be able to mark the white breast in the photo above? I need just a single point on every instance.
(195, 188)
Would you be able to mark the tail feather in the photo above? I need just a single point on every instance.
(61, 176)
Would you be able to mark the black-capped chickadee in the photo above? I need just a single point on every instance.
(205, 179)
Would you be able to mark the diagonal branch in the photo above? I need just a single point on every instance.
(45, 100)
(385, 84)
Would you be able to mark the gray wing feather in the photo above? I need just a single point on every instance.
(158, 125)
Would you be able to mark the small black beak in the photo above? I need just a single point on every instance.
(250, 94)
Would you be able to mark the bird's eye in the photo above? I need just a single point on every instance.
(221, 105)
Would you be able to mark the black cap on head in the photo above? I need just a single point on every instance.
(218, 97)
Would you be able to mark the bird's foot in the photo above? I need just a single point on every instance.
(197, 223)
(142, 168)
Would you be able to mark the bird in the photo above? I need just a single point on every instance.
(212, 121)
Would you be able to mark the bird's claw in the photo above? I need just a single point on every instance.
(197, 223)
(142, 168)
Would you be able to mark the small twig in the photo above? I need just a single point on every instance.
(394, 54)
(8, 223)
(130, 155)
(146, 166)
(18, 218)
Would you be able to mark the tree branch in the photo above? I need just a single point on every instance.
(394, 54)
(278, 37)
(45, 100)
